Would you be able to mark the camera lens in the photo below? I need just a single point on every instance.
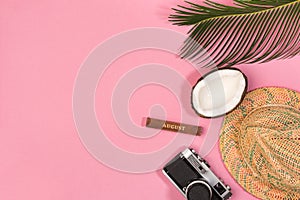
(198, 190)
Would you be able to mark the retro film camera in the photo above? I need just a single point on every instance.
(193, 178)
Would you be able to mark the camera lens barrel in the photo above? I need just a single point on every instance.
(198, 190)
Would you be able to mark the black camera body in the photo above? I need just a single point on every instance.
(193, 178)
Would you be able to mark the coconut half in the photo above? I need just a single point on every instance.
(219, 92)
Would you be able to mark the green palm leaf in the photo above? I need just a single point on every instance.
(251, 31)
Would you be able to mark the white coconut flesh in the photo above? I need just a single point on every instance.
(219, 92)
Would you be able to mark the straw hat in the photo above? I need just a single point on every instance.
(260, 143)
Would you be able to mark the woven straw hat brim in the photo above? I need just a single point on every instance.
(231, 150)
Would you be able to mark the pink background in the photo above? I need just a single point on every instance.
(42, 45)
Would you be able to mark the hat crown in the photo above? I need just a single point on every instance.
(270, 145)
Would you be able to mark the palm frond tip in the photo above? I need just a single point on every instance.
(250, 32)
